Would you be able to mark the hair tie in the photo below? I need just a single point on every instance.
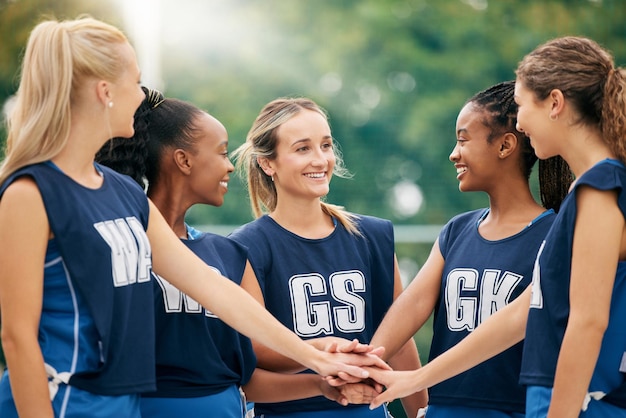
(155, 97)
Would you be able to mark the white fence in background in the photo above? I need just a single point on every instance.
(404, 234)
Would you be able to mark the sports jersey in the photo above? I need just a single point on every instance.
(96, 330)
(480, 277)
(197, 354)
(549, 309)
(340, 285)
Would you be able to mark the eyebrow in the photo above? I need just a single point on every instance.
(462, 130)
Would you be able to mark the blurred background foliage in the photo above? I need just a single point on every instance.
(392, 74)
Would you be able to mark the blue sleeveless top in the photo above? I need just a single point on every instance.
(549, 310)
(98, 273)
(339, 285)
(196, 353)
(480, 277)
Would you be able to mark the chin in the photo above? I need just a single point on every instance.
(126, 134)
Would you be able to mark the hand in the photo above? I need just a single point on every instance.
(332, 393)
(398, 384)
(361, 393)
(348, 365)
(341, 345)
(355, 393)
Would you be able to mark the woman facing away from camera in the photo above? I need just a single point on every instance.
(77, 239)
(181, 153)
(572, 103)
(323, 272)
(480, 261)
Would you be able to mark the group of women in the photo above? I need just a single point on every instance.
(113, 306)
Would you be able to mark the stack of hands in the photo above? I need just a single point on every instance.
(365, 377)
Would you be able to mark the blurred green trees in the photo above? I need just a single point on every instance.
(391, 73)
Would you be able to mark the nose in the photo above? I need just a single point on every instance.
(454, 155)
(519, 128)
(231, 167)
(319, 158)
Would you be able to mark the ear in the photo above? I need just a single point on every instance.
(182, 161)
(103, 92)
(266, 165)
(557, 103)
(508, 144)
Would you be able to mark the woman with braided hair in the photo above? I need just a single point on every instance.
(571, 103)
(481, 260)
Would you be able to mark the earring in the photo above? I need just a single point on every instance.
(501, 154)
(272, 177)
(110, 104)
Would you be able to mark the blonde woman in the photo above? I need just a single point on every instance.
(323, 272)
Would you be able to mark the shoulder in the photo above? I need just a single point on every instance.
(23, 208)
(121, 179)
(368, 220)
(458, 225)
(605, 175)
(22, 190)
(220, 241)
(374, 230)
(250, 231)
(26, 174)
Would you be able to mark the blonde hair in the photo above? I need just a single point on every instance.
(59, 57)
(261, 142)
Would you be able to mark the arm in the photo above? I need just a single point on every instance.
(176, 263)
(24, 233)
(599, 221)
(412, 308)
(266, 386)
(407, 358)
(500, 331)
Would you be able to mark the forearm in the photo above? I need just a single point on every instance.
(499, 332)
(269, 359)
(407, 358)
(252, 320)
(178, 265)
(411, 307)
(398, 326)
(28, 378)
(577, 360)
(266, 386)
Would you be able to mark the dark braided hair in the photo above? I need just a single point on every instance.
(498, 103)
(160, 123)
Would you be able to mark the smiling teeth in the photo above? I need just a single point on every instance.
(315, 175)
(224, 184)
(461, 170)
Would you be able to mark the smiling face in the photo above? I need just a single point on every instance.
(533, 119)
(210, 165)
(304, 159)
(474, 158)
